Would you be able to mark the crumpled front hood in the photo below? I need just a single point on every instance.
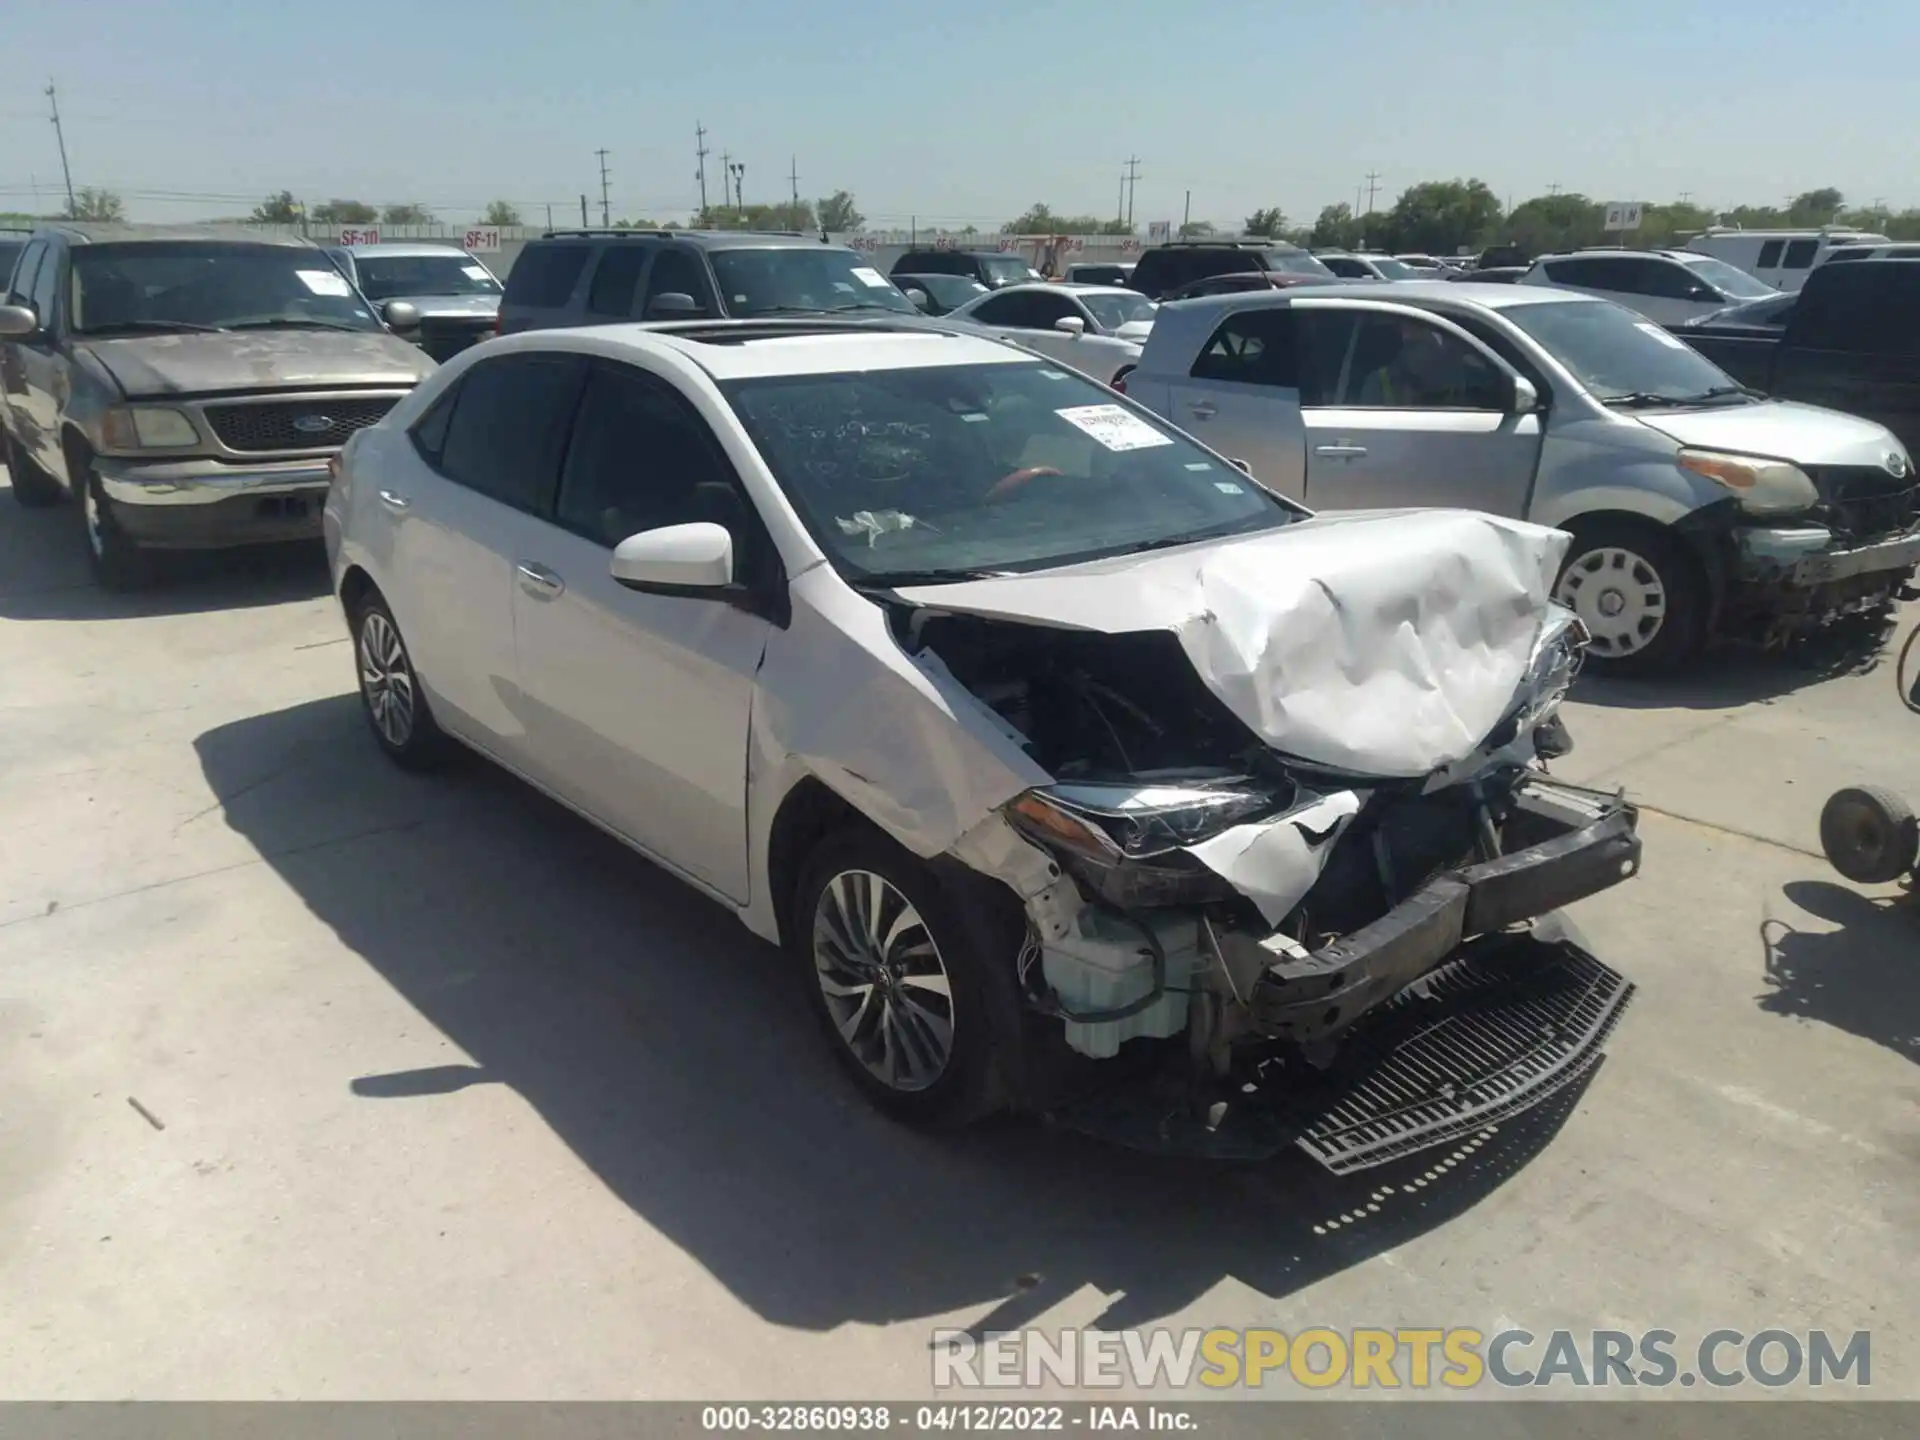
(1779, 430)
(153, 365)
(1386, 643)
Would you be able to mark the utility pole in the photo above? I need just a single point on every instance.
(1373, 185)
(606, 212)
(1120, 205)
(700, 160)
(549, 215)
(61, 136)
(739, 168)
(726, 176)
(1133, 180)
(1554, 189)
(1186, 214)
(584, 222)
(793, 177)
(1686, 197)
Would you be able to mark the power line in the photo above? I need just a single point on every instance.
(60, 135)
(606, 211)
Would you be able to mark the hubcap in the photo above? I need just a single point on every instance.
(881, 975)
(386, 680)
(1620, 597)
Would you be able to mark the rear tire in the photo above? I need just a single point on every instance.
(390, 694)
(1869, 835)
(914, 992)
(33, 487)
(1641, 596)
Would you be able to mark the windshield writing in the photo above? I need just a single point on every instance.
(954, 469)
(1119, 308)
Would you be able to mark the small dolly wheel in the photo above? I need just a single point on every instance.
(1870, 835)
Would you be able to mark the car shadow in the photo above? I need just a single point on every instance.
(1731, 676)
(1863, 977)
(672, 1052)
(44, 575)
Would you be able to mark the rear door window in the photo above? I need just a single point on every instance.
(24, 272)
(544, 275)
(1770, 255)
(1799, 255)
(616, 278)
(510, 425)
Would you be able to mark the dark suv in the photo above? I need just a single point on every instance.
(992, 268)
(1168, 267)
(598, 277)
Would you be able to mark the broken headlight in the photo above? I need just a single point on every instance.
(1125, 843)
(1550, 674)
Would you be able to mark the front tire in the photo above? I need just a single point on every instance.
(390, 695)
(33, 487)
(912, 990)
(117, 563)
(1642, 598)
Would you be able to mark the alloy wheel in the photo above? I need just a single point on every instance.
(1619, 596)
(886, 988)
(386, 680)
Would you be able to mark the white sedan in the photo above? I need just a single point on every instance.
(1025, 723)
(1096, 329)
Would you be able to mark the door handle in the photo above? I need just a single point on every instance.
(1202, 409)
(538, 581)
(394, 500)
(1340, 452)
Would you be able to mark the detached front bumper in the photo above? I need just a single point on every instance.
(1565, 843)
(1805, 556)
(211, 504)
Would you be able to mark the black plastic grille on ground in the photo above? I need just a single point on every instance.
(262, 425)
(1471, 1044)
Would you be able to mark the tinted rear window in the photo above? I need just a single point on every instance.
(545, 274)
(1868, 308)
(9, 253)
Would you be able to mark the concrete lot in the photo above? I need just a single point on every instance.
(462, 1100)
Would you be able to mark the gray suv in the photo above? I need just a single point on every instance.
(600, 277)
(187, 386)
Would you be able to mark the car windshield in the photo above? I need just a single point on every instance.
(943, 472)
(802, 277)
(1008, 269)
(1773, 310)
(1391, 269)
(1620, 355)
(1121, 307)
(1731, 279)
(1296, 262)
(949, 290)
(382, 277)
(157, 286)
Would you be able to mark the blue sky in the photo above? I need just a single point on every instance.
(965, 111)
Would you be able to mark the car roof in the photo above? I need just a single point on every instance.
(1053, 287)
(90, 233)
(1494, 297)
(706, 239)
(741, 349)
(404, 248)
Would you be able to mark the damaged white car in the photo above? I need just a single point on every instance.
(1079, 774)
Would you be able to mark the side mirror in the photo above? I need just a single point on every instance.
(400, 315)
(1071, 325)
(17, 322)
(1704, 292)
(919, 299)
(675, 559)
(673, 305)
(1525, 398)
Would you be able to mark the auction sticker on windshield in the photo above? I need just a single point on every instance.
(324, 282)
(1114, 426)
(1659, 334)
(869, 276)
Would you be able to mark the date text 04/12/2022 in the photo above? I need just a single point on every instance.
(928, 1418)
